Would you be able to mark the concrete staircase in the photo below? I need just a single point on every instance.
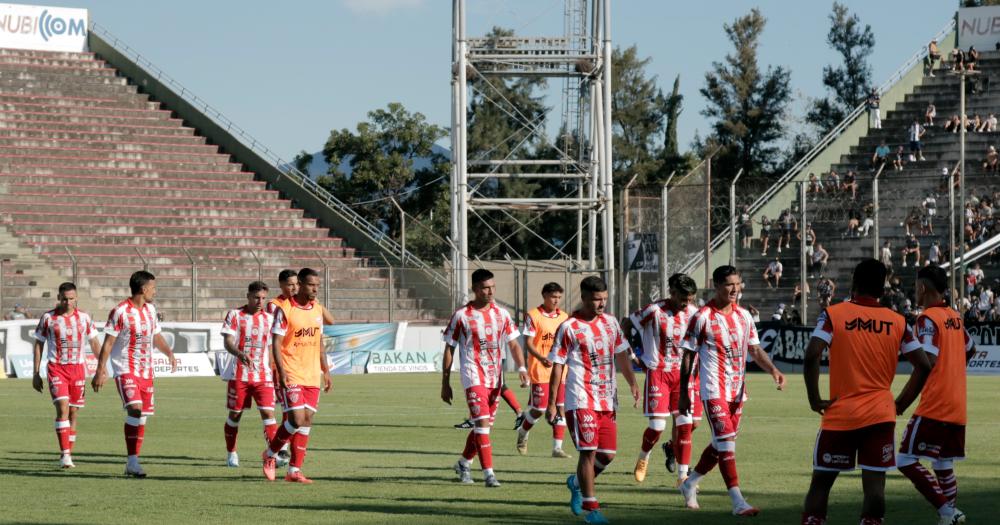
(900, 192)
(93, 170)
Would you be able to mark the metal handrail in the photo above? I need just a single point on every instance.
(371, 231)
(797, 168)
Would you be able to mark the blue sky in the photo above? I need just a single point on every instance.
(290, 72)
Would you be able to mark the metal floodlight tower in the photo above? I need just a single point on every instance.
(582, 58)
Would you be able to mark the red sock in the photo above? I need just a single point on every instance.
(299, 442)
(649, 439)
(470, 446)
(72, 438)
(485, 450)
(925, 483)
(281, 437)
(62, 435)
(141, 435)
(511, 399)
(559, 431)
(529, 421)
(682, 445)
(727, 467)
(709, 458)
(590, 504)
(948, 483)
(270, 430)
(132, 439)
(230, 432)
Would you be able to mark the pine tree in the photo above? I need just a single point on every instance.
(848, 83)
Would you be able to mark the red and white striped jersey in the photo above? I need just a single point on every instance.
(722, 342)
(133, 329)
(588, 350)
(481, 337)
(662, 331)
(253, 337)
(65, 336)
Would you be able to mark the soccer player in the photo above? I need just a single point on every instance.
(936, 431)
(590, 344)
(720, 335)
(540, 325)
(288, 281)
(864, 341)
(66, 331)
(300, 364)
(246, 334)
(480, 330)
(130, 334)
(662, 325)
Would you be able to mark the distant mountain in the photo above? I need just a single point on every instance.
(319, 167)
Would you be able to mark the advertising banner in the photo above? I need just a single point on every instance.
(986, 360)
(43, 28)
(979, 26)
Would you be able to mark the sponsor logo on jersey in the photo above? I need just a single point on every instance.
(129, 393)
(653, 403)
(869, 325)
(588, 418)
(887, 454)
(475, 409)
(588, 435)
(716, 409)
(953, 323)
(293, 397)
(307, 332)
(922, 447)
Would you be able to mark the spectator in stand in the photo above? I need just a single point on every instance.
(930, 114)
(19, 312)
(815, 186)
(853, 222)
(915, 133)
(754, 313)
(773, 272)
(832, 182)
(797, 293)
(810, 238)
(874, 115)
(898, 160)
(746, 227)
(885, 255)
(934, 253)
(826, 288)
(973, 277)
(779, 313)
(977, 124)
(912, 246)
(991, 161)
(820, 257)
(868, 224)
(850, 184)
(957, 59)
(880, 156)
(765, 234)
(912, 221)
(933, 56)
(971, 58)
(953, 123)
(991, 123)
(788, 226)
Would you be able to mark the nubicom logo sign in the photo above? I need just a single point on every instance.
(43, 28)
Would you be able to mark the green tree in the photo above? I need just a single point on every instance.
(638, 111)
(848, 83)
(746, 105)
(381, 153)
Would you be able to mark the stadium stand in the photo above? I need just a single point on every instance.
(97, 178)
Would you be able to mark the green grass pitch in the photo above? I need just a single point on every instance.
(381, 451)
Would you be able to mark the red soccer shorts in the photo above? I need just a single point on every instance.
(482, 402)
(67, 382)
(662, 394)
(540, 396)
(593, 429)
(135, 390)
(872, 445)
(932, 439)
(299, 397)
(240, 395)
(724, 417)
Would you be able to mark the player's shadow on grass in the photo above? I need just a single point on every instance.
(76, 473)
(374, 425)
(115, 459)
(433, 508)
(402, 452)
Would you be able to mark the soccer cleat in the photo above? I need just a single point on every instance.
(671, 461)
(492, 482)
(640, 470)
(282, 457)
(297, 477)
(595, 516)
(233, 460)
(575, 496)
(465, 425)
(66, 461)
(956, 518)
(269, 466)
(464, 473)
(134, 471)
(745, 510)
(522, 444)
(690, 493)
(518, 420)
(559, 453)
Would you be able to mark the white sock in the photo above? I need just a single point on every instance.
(557, 444)
(694, 477)
(947, 510)
(132, 460)
(682, 471)
(522, 432)
(293, 470)
(464, 462)
(644, 454)
(487, 472)
(736, 496)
